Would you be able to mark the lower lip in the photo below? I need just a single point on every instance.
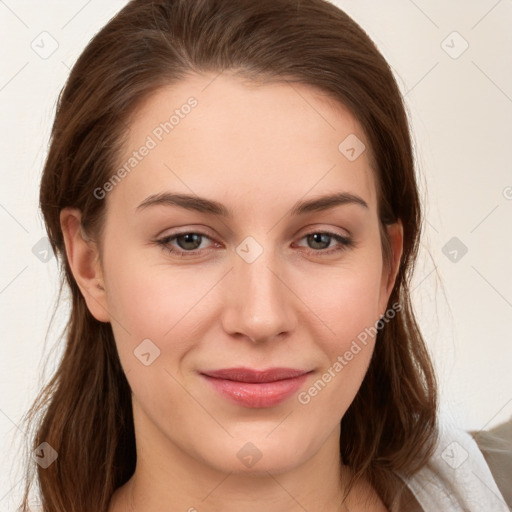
(251, 394)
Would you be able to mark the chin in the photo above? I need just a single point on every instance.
(258, 455)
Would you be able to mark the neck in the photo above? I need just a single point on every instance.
(169, 479)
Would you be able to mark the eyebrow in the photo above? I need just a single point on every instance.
(203, 205)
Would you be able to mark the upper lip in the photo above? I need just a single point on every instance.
(250, 375)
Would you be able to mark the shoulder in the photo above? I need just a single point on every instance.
(496, 447)
(457, 477)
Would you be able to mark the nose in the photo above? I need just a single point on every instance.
(259, 303)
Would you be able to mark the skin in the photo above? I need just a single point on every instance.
(258, 149)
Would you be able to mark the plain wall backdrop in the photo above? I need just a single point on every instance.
(453, 63)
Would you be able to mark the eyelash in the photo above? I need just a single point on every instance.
(345, 243)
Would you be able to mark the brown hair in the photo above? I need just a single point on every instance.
(85, 409)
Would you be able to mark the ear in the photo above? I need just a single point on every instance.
(389, 272)
(83, 257)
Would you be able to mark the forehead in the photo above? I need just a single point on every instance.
(219, 135)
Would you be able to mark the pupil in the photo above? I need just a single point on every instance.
(190, 238)
(321, 238)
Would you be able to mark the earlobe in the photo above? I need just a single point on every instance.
(83, 258)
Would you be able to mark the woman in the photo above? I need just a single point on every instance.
(230, 188)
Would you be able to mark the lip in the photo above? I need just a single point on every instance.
(256, 388)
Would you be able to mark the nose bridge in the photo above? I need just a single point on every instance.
(259, 304)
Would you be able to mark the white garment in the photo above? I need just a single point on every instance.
(457, 477)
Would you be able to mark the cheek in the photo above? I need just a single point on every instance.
(347, 303)
(155, 313)
(346, 299)
(347, 351)
(152, 302)
(151, 298)
(165, 303)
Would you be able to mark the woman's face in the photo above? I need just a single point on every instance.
(245, 272)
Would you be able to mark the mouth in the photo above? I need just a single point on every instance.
(256, 388)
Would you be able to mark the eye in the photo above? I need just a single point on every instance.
(320, 241)
(188, 243)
